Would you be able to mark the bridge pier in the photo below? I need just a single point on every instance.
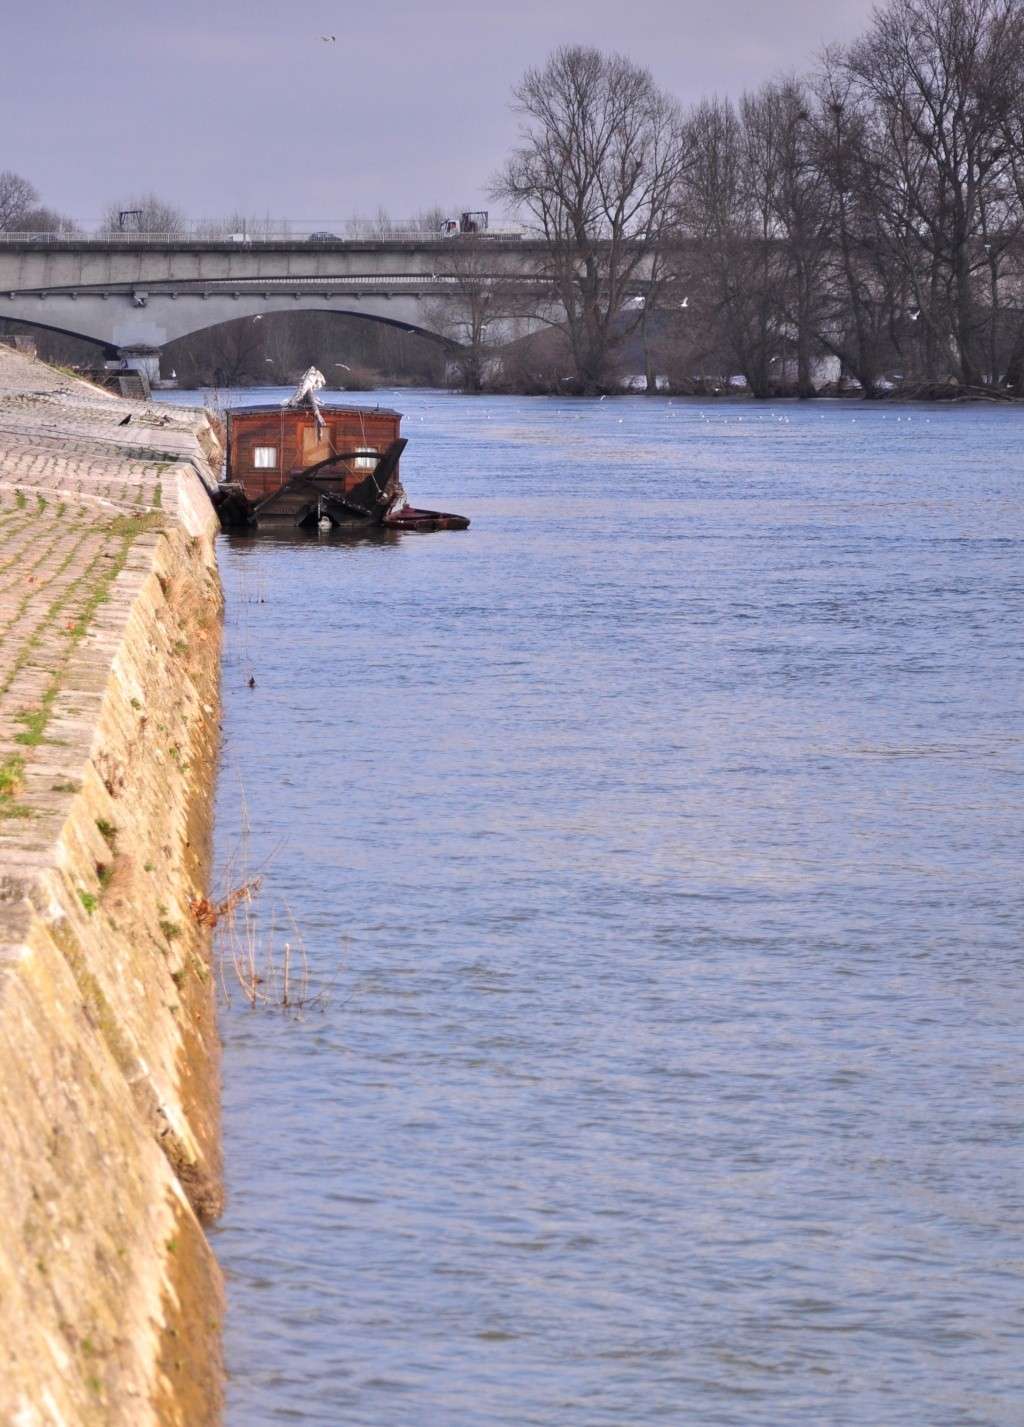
(145, 360)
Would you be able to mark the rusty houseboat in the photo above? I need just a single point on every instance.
(319, 468)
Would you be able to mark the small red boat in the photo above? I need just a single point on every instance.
(409, 518)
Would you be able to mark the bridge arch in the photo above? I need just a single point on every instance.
(146, 318)
(235, 351)
(36, 323)
(310, 309)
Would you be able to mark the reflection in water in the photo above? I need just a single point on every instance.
(283, 534)
(660, 840)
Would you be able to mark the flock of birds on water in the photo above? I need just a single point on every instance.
(722, 419)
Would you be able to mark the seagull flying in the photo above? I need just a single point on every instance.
(914, 315)
(329, 39)
(685, 302)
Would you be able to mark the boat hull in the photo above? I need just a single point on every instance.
(301, 504)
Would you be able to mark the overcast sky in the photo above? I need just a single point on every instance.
(222, 105)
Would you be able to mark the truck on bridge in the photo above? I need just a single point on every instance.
(477, 225)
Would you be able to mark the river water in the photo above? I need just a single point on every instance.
(656, 844)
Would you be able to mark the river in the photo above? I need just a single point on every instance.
(655, 845)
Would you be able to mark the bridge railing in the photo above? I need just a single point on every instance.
(351, 230)
(134, 240)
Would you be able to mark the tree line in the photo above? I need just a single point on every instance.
(870, 212)
(861, 223)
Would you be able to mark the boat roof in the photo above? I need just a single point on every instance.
(261, 409)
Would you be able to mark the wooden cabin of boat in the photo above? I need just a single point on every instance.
(270, 445)
(323, 467)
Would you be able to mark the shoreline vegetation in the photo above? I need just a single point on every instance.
(734, 388)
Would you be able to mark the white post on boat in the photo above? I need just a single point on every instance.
(312, 381)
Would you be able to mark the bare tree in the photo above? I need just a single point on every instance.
(48, 220)
(861, 277)
(790, 199)
(18, 198)
(539, 364)
(726, 210)
(429, 220)
(477, 304)
(239, 222)
(944, 78)
(229, 354)
(144, 213)
(595, 176)
(283, 351)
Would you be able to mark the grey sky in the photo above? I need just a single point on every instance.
(222, 105)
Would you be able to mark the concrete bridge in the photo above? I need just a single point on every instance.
(135, 296)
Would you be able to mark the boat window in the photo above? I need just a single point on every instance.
(264, 458)
(366, 458)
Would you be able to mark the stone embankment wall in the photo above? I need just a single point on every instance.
(110, 605)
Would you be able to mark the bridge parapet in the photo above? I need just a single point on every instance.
(33, 265)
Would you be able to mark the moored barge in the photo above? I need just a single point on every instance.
(319, 468)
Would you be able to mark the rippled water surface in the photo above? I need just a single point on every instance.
(659, 842)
